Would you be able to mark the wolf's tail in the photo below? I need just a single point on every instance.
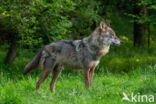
(34, 63)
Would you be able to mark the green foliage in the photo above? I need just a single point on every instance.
(85, 17)
(147, 10)
(38, 21)
(35, 19)
(150, 15)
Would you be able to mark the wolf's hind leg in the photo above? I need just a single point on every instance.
(49, 65)
(56, 73)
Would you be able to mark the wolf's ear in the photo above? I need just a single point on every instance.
(103, 25)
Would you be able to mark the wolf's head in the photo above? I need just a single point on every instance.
(107, 35)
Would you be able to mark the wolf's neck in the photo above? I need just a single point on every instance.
(94, 47)
(93, 41)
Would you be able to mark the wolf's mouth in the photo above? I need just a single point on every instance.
(117, 43)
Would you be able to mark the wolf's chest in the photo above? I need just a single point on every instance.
(105, 50)
(93, 63)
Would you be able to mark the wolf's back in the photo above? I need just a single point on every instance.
(34, 63)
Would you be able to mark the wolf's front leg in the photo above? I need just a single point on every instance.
(86, 77)
(91, 74)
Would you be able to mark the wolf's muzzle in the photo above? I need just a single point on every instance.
(117, 42)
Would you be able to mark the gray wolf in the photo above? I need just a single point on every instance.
(82, 54)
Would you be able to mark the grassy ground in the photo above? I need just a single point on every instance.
(124, 69)
(107, 88)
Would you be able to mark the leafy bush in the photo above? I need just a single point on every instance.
(38, 21)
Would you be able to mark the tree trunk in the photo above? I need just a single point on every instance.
(139, 28)
(149, 34)
(11, 55)
(139, 35)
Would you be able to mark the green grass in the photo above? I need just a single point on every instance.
(124, 69)
(107, 88)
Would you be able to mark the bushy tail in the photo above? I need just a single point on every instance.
(34, 63)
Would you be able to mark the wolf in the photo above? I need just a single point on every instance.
(82, 55)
